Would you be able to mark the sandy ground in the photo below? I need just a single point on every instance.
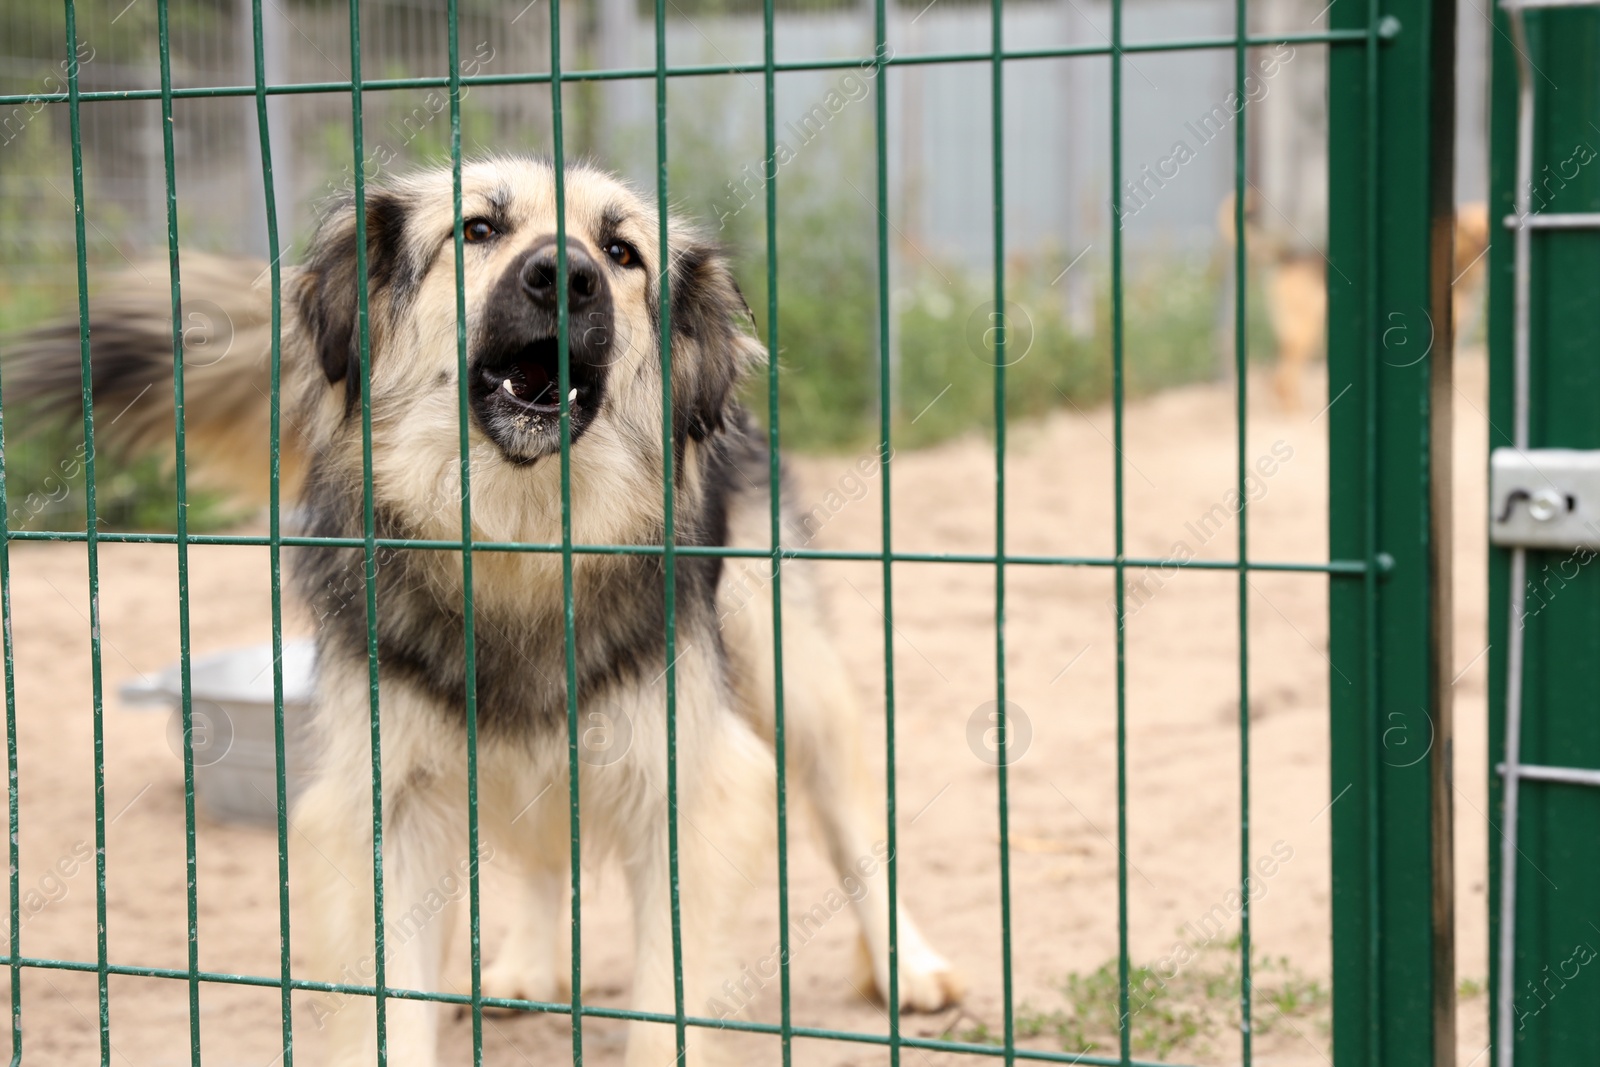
(1182, 753)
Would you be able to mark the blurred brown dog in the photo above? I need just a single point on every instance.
(1296, 288)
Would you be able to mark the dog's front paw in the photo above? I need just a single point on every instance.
(510, 980)
(928, 982)
(507, 979)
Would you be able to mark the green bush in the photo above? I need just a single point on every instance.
(944, 331)
(827, 323)
(45, 479)
(943, 320)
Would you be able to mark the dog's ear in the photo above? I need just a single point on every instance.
(710, 313)
(325, 292)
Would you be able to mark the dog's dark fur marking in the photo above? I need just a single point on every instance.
(612, 220)
(500, 200)
(619, 630)
(326, 292)
(705, 307)
(389, 269)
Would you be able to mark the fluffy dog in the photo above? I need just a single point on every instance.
(723, 663)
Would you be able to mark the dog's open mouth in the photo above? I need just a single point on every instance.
(515, 375)
(516, 394)
(531, 377)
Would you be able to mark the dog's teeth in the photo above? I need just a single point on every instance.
(572, 396)
(508, 387)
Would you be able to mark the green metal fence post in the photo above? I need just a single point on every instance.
(568, 613)
(91, 536)
(669, 537)
(1241, 381)
(880, 127)
(14, 930)
(997, 166)
(468, 612)
(1118, 534)
(780, 744)
(186, 706)
(369, 555)
(275, 529)
(1389, 350)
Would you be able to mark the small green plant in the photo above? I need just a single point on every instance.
(1471, 987)
(1170, 1008)
(979, 1034)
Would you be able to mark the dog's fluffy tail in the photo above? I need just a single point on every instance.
(227, 364)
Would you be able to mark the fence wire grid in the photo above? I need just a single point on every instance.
(1363, 569)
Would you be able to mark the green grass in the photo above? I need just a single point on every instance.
(1171, 1009)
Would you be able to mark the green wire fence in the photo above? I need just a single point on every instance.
(1389, 151)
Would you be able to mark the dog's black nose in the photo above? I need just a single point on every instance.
(585, 285)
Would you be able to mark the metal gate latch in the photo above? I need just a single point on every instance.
(1544, 498)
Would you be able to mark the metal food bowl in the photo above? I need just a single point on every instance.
(231, 702)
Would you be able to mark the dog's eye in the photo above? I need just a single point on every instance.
(476, 230)
(622, 254)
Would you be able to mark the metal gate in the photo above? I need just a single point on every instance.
(1544, 601)
(1391, 103)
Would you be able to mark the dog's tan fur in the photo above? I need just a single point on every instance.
(723, 668)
